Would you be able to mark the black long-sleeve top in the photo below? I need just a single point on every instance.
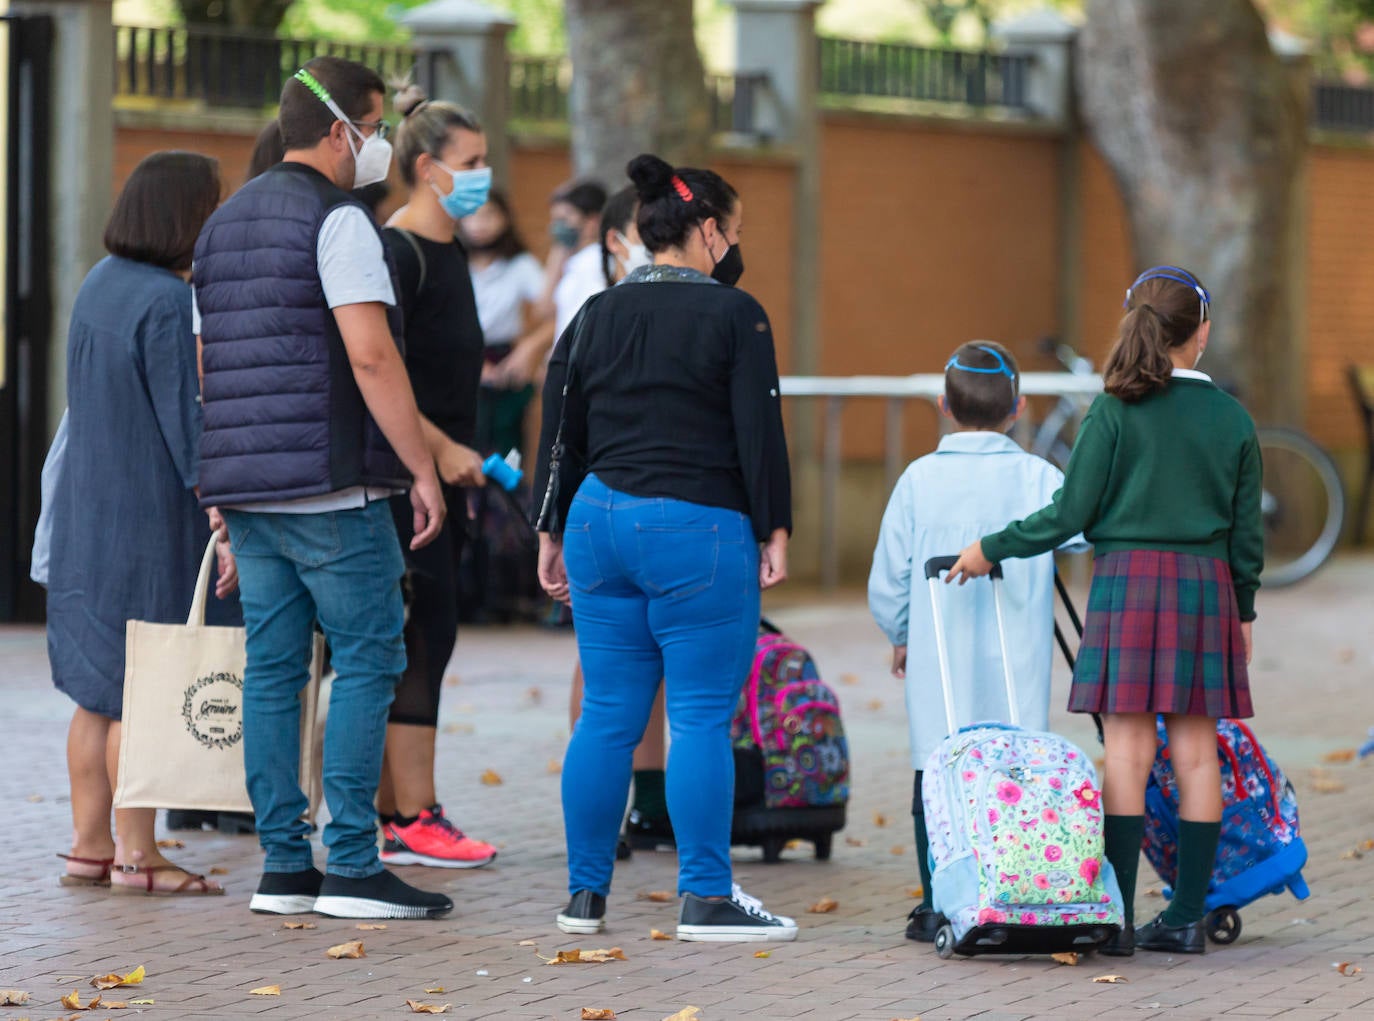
(674, 394)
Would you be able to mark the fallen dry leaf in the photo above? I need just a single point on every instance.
(453, 680)
(113, 1005)
(879, 819)
(35, 798)
(219, 870)
(492, 778)
(370, 926)
(299, 925)
(915, 892)
(353, 949)
(1351, 855)
(899, 849)
(855, 841)
(171, 843)
(72, 1001)
(656, 934)
(528, 943)
(763, 953)
(849, 678)
(134, 978)
(435, 990)
(1367, 845)
(1345, 655)
(1340, 755)
(1154, 891)
(141, 1003)
(554, 767)
(13, 997)
(586, 956)
(657, 896)
(459, 728)
(916, 1018)
(685, 1014)
(265, 991)
(823, 906)
(1111, 979)
(534, 696)
(416, 1007)
(1348, 968)
(792, 845)
(1327, 785)
(875, 704)
(1068, 958)
(598, 1014)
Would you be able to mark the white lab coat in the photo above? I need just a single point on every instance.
(974, 484)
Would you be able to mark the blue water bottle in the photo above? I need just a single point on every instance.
(504, 471)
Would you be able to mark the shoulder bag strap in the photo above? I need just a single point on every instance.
(548, 510)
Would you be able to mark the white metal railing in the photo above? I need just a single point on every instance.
(896, 391)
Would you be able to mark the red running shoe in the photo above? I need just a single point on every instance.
(433, 840)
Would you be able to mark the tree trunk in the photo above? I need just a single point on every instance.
(1205, 130)
(638, 86)
(264, 15)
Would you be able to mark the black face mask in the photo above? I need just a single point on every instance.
(730, 268)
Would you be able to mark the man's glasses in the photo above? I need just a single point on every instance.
(382, 128)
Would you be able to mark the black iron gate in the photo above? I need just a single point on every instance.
(26, 314)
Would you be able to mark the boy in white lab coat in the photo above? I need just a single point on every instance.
(977, 480)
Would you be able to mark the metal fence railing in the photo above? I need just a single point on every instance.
(853, 67)
(229, 68)
(539, 88)
(1340, 107)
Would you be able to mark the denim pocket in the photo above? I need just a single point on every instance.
(675, 561)
(311, 540)
(579, 557)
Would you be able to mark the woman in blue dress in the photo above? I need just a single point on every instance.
(127, 534)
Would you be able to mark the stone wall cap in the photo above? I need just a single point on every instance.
(1041, 26)
(455, 15)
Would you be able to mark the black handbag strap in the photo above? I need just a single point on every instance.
(547, 510)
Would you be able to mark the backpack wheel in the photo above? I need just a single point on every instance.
(944, 942)
(1223, 925)
(822, 842)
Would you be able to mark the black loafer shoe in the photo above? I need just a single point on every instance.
(923, 923)
(622, 850)
(1120, 945)
(1173, 939)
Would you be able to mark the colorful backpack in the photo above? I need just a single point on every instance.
(790, 718)
(1261, 849)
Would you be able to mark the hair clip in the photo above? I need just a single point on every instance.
(683, 192)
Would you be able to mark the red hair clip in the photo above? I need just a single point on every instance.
(683, 192)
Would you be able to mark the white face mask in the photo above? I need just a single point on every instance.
(638, 256)
(371, 160)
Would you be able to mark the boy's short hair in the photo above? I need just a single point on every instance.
(982, 384)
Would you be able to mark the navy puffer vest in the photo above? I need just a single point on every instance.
(284, 418)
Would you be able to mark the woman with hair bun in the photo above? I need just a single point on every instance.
(672, 479)
(442, 156)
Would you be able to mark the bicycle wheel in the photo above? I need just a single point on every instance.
(1303, 505)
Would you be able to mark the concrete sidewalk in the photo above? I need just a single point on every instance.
(506, 711)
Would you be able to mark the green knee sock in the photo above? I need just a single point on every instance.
(923, 858)
(1197, 855)
(650, 797)
(1122, 836)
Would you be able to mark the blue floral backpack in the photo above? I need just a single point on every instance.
(791, 756)
(1261, 850)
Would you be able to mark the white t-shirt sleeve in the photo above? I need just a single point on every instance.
(349, 254)
(529, 277)
(195, 313)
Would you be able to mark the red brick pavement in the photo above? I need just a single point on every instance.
(507, 712)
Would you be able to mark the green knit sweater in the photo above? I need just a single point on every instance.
(1179, 470)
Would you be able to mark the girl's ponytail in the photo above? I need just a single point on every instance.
(1163, 312)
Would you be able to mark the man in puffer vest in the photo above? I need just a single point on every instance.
(310, 425)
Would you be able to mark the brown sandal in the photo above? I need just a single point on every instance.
(70, 879)
(192, 886)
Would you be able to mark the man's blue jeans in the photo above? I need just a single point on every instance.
(660, 589)
(343, 569)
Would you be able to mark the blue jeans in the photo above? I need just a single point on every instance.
(342, 569)
(660, 589)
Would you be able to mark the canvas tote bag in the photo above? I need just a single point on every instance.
(182, 743)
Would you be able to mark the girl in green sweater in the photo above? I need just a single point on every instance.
(1165, 482)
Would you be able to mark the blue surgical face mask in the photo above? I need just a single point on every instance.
(469, 192)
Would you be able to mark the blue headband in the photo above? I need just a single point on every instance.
(1000, 369)
(1178, 275)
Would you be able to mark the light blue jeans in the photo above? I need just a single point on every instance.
(660, 589)
(342, 569)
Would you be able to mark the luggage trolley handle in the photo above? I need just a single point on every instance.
(936, 566)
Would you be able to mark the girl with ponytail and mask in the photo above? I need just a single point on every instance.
(442, 156)
(1164, 480)
(669, 510)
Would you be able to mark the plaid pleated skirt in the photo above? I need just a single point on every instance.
(1161, 635)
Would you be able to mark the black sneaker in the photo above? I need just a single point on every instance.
(380, 896)
(923, 923)
(585, 914)
(188, 819)
(645, 833)
(741, 919)
(287, 893)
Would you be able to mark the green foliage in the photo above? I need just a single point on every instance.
(1341, 32)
